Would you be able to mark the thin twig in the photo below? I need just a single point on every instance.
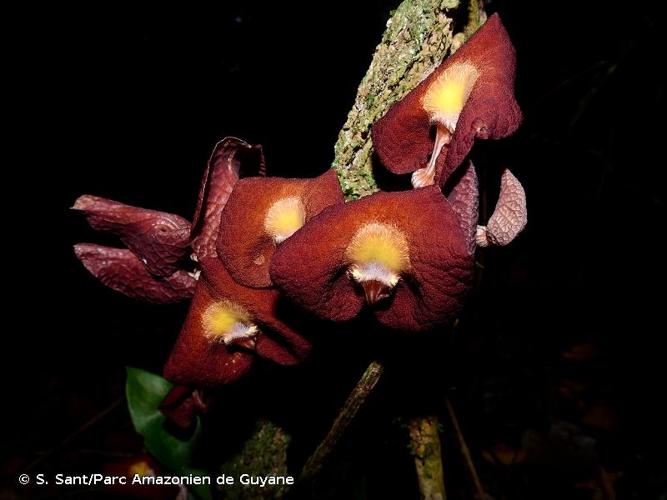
(465, 451)
(82, 428)
(354, 401)
(606, 485)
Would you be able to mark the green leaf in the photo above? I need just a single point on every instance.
(145, 391)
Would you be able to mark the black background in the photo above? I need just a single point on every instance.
(126, 102)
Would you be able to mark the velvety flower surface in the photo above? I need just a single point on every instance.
(154, 265)
(509, 217)
(404, 255)
(159, 239)
(262, 213)
(471, 94)
(227, 326)
(122, 271)
(231, 160)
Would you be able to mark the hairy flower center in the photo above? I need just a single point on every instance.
(378, 252)
(284, 218)
(229, 323)
(447, 95)
(443, 101)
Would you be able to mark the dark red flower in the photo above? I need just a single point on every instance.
(227, 326)
(262, 213)
(153, 266)
(403, 254)
(408, 256)
(470, 95)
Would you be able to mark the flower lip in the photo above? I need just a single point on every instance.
(316, 267)
(261, 214)
(478, 79)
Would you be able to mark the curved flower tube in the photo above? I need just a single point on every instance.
(471, 94)
(227, 326)
(402, 255)
(152, 267)
(261, 214)
(159, 239)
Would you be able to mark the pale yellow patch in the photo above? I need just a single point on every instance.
(284, 218)
(223, 320)
(446, 95)
(378, 243)
(141, 469)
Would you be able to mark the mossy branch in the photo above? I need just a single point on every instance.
(427, 452)
(419, 35)
(264, 453)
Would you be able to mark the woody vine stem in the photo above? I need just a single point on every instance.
(419, 35)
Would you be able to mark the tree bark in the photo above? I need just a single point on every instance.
(427, 452)
(264, 453)
(419, 35)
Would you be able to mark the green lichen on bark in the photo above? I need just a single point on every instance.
(419, 35)
(265, 453)
(427, 453)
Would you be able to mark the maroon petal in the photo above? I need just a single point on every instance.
(402, 137)
(231, 159)
(491, 111)
(160, 239)
(181, 406)
(204, 360)
(313, 268)
(245, 244)
(121, 270)
(464, 198)
(278, 340)
(197, 360)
